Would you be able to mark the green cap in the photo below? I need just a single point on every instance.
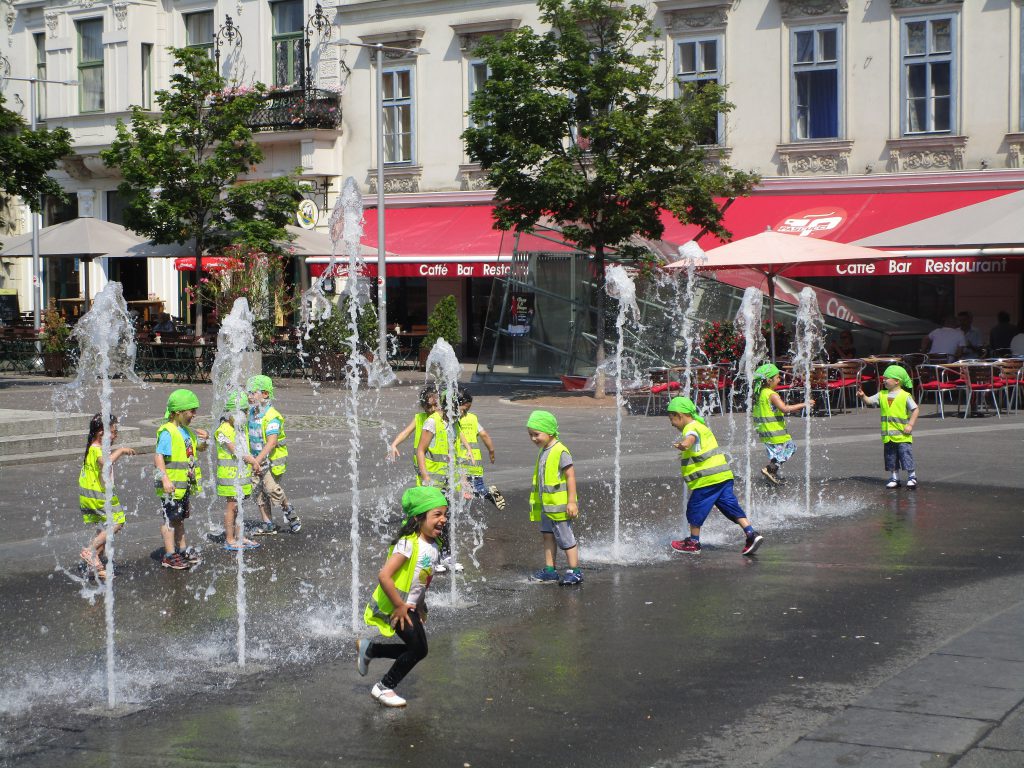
(899, 373)
(684, 405)
(543, 421)
(260, 383)
(766, 371)
(181, 400)
(420, 499)
(237, 401)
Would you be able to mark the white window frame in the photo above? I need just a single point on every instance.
(206, 45)
(701, 74)
(398, 104)
(472, 86)
(930, 58)
(1020, 69)
(146, 63)
(796, 68)
(39, 47)
(93, 65)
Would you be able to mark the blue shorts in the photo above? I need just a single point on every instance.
(703, 500)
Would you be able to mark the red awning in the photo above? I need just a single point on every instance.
(210, 263)
(421, 269)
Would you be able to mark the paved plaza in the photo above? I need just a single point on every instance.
(873, 628)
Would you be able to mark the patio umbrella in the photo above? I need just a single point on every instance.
(83, 238)
(772, 253)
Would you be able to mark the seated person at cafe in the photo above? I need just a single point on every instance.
(1002, 332)
(947, 340)
(842, 348)
(1017, 342)
(164, 324)
(973, 341)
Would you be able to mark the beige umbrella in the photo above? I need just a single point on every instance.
(772, 253)
(83, 238)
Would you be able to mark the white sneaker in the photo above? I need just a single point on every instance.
(446, 564)
(440, 568)
(893, 484)
(911, 482)
(386, 696)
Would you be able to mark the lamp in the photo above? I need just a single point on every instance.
(382, 275)
(317, 22)
(228, 34)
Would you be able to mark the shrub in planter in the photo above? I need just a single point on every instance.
(55, 338)
(329, 340)
(443, 323)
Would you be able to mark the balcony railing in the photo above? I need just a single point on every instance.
(297, 109)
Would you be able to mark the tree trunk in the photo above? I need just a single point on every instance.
(199, 286)
(599, 377)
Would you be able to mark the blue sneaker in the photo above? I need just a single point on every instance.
(545, 576)
(363, 659)
(571, 577)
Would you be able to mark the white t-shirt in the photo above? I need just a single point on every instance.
(911, 404)
(946, 341)
(1017, 344)
(691, 429)
(424, 567)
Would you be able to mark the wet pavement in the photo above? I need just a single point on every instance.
(875, 628)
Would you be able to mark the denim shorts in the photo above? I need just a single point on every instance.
(898, 456)
(176, 510)
(560, 529)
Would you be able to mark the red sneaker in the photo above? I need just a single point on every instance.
(752, 543)
(686, 547)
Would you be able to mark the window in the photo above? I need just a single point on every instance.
(478, 75)
(40, 42)
(397, 106)
(287, 41)
(928, 74)
(90, 65)
(147, 76)
(199, 31)
(697, 65)
(815, 96)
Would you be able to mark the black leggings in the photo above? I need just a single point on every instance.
(406, 656)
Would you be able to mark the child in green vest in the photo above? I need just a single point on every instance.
(769, 420)
(267, 444)
(899, 414)
(398, 605)
(178, 475)
(433, 461)
(232, 447)
(92, 493)
(471, 459)
(428, 404)
(553, 500)
(706, 472)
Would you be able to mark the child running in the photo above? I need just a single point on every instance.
(92, 493)
(769, 418)
(553, 500)
(232, 485)
(428, 404)
(267, 444)
(706, 473)
(899, 414)
(471, 460)
(178, 475)
(398, 605)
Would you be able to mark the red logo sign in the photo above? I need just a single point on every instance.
(813, 222)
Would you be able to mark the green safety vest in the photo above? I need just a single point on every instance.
(92, 494)
(227, 462)
(895, 416)
(469, 426)
(278, 457)
(178, 465)
(552, 495)
(378, 610)
(769, 420)
(436, 457)
(709, 467)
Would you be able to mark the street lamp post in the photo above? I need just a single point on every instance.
(382, 276)
(37, 287)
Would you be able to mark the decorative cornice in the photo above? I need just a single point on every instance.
(403, 179)
(926, 153)
(471, 34)
(803, 9)
(9, 18)
(712, 16)
(51, 18)
(902, 5)
(408, 38)
(121, 14)
(473, 177)
(815, 158)
(1015, 150)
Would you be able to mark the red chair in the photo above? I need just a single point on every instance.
(982, 379)
(937, 381)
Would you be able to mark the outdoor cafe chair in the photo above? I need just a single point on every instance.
(937, 381)
(708, 386)
(981, 378)
(827, 380)
(1010, 371)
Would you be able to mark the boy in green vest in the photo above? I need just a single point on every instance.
(178, 475)
(769, 419)
(470, 458)
(706, 472)
(232, 447)
(553, 500)
(899, 414)
(267, 444)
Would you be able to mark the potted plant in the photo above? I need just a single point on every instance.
(55, 337)
(329, 340)
(443, 323)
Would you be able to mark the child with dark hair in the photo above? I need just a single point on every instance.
(428, 404)
(470, 458)
(92, 492)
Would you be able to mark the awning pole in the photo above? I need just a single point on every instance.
(771, 312)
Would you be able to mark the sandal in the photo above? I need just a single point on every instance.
(91, 559)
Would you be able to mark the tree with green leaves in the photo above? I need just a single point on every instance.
(26, 157)
(181, 168)
(573, 126)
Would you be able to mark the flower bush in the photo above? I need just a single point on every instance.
(721, 342)
(55, 334)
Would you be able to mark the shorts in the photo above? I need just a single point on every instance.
(176, 510)
(703, 500)
(898, 456)
(560, 529)
(477, 483)
(98, 518)
(780, 452)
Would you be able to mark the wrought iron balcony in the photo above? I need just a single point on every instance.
(297, 109)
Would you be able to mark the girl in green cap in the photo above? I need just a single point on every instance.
(398, 605)
(899, 414)
(706, 473)
(553, 500)
(769, 419)
(234, 484)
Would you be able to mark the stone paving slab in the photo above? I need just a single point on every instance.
(991, 644)
(991, 758)
(911, 692)
(822, 754)
(1009, 734)
(902, 730)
